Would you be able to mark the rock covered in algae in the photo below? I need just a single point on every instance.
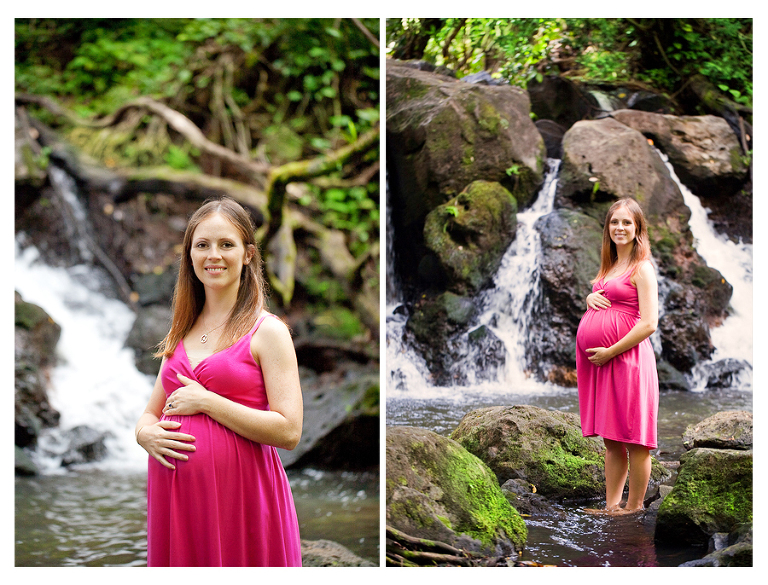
(437, 490)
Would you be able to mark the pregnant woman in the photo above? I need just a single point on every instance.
(615, 363)
(227, 394)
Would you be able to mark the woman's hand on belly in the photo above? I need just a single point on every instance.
(189, 399)
(160, 441)
(600, 355)
(597, 300)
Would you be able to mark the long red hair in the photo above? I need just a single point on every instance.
(189, 293)
(641, 251)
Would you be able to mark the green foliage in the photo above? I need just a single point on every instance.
(661, 52)
(354, 210)
(295, 88)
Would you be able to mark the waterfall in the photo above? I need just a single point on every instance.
(504, 310)
(95, 381)
(506, 307)
(733, 339)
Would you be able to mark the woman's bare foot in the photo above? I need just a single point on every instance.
(614, 511)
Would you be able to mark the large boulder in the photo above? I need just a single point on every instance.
(604, 160)
(570, 258)
(704, 150)
(437, 490)
(712, 493)
(470, 233)
(442, 135)
(730, 429)
(543, 447)
(341, 421)
(36, 335)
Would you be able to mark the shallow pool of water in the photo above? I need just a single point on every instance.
(97, 518)
(570, 537)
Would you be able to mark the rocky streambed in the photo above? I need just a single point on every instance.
(469, 498)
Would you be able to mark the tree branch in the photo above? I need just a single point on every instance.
(368, 34)
(307, 169)
(176, 120)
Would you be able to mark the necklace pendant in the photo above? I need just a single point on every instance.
(204, 338)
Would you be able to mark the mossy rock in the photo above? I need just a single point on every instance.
(470, 233)
(543, 447)
(436, 490)
(713, 493)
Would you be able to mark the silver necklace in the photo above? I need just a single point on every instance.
(204, 336)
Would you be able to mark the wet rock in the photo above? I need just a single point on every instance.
(724, 430)
(544, 448)
(470, 233)
(728, 550)
(82, 444)
(433, 322)
(35, 338)
(704, 150)
(712, 493)
(443, 135)
(23, 463)
(326, 553)
(437, 490)
(149, 328)
(552, 133)
(570, 249)
(727, 373)
(341, 421)
(671, 378)
(520, 494)
(604, 160)
(561, 100)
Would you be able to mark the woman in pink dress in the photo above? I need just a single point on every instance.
(615, 363)
(227, 395)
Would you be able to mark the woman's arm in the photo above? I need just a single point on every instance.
(156, 436)
(272, 348)
(648, 300)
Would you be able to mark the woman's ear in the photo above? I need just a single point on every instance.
(249, 252)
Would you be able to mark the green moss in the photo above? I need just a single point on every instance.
(28, 315)
(713, 491)
(490, 119)
(474, 487)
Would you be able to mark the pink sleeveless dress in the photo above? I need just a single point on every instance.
(620, 399)
(230, 504)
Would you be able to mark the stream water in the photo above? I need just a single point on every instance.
(572, 538)
(95, 514)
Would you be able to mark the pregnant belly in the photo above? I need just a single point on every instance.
(217, 448)
(603, 328)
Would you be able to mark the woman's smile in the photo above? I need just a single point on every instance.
(216, 248)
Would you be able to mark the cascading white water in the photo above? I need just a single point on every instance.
(95, 382)
(732, 339)
(504, 309)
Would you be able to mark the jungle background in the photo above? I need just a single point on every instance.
(507, 141)
(666, 54)
(148, 117)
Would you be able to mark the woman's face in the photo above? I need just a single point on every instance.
(622, 227)
(218, 252)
